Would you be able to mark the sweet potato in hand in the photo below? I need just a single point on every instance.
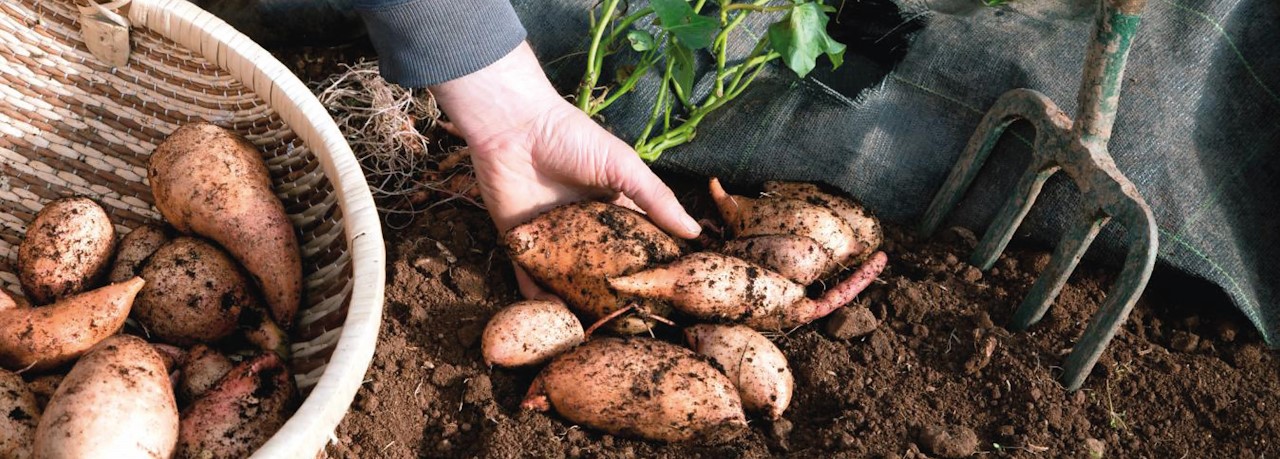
(573, 248)
(45, 337)
(713, 286)
(755, 365)
(209, 181)
(640, 387)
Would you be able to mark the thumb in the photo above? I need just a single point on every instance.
(627, 173)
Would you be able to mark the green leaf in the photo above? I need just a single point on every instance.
(683, 70)
(801, 36)
(640, 40)
(678, 18)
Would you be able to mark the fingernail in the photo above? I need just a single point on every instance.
(692, 225)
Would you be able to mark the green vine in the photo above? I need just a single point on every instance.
(798, 38)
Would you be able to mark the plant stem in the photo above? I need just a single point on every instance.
(627, 85)
(594, 56)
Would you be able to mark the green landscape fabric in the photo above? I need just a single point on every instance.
(1197, 131)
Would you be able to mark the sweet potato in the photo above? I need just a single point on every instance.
(240, 413)
(640, 387)
(757, 367)
(194, 293)
(18, 417)
(866, 227)
(134, 250)
(203, 368)
(66, 250)
(46, 337)
(116, 399)
(44, 386)
(798, 258)
(212, 182)
(6, 301)
(529, 333)
(713, 286)
(573, 248)
(747, 217)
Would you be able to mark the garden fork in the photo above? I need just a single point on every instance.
(1078, 148)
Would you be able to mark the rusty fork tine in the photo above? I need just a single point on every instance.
(1010, 216)
(1065, 258)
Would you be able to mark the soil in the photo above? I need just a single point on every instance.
(920, 365)
(937, 376)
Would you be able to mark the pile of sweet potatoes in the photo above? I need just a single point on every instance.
(613, 267)
(170, 342)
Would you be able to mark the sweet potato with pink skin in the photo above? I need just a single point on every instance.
(117, 402)
(7, 302)
(573, 248)
(134, 249)
(240, 413)
(798, 258)
(46, 337)
(640, 387)
(67, 249)
(866, 227)
(203, 368)
(212, 182)
(19, 414)
(714, 286)
(194, 293)
(757, 367)
(747, 217)
(529, 333)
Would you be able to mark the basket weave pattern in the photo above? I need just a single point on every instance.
(72, 125)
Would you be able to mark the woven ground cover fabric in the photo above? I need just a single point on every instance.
(1197, 129)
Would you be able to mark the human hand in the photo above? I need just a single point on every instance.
(532, 151)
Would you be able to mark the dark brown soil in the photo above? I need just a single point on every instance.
(938, 377)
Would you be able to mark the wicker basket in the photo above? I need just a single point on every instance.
(72, 125)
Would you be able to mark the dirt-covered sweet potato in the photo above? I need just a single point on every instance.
(866, 227)
(718, 287)
(258, 329)
(640, 387)
(45, 337)
(66, 250)
(134, 250)
(755, 365)
(799, 258)
(573, 248)
(209, 181)
(240, 412)
(19, 414)
(203, 368)
(194, 293)
(117, 401)
(529, 333)
(748, 217)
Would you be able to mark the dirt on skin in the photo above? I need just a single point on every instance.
(937, 376)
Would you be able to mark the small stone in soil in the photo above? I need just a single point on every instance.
(1005, 431)
(971, 274)
(1094, 448)
(851, 322)
(1183, 341)
(1035, 262)
(949, 441)
(432, 266)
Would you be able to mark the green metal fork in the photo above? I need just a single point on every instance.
(1078, 148)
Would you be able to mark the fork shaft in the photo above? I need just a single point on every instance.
(1104, 63)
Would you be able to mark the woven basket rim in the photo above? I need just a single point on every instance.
(307, 431)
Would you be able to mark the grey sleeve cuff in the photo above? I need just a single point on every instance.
(425, 42)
